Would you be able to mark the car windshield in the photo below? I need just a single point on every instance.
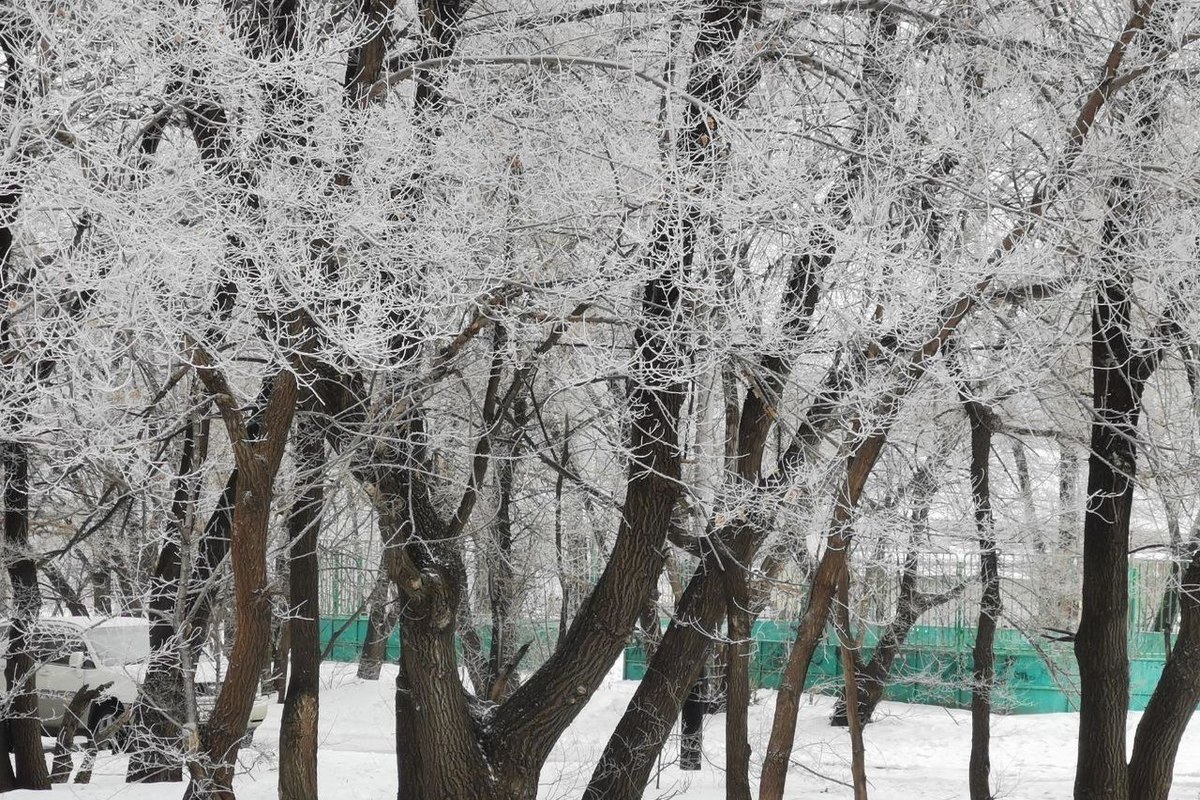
(122, 640)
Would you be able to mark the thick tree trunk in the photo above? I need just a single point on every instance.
(298, 728)
(983, 674)
(1119, 373)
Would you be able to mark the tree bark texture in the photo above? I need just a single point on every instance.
(381, 621)
(257, 461)
(298, 727)
(983, 671)
(1119, 373)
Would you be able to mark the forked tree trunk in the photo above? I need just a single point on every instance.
(298, 728)
(1119, 374)
(816, 614)
(911, 604)
(257, 461)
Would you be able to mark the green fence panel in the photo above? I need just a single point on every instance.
(935, 665)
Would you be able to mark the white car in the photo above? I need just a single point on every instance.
(73, 652)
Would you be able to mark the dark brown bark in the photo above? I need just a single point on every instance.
(737, 684)
(983, 673)
(816, 614)
(64, 744)
(847, 647)
(1119, 373)
(257, 461)
(298, 728)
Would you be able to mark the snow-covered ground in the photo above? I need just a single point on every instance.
(913, 752)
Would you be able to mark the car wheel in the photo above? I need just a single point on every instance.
(102, 717)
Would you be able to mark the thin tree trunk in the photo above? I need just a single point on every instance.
(737, 685)
(1173, 703)
(858, 767)
(298, 727)
(816, 614)
(156, 753)
(24, 727)
(983, 674)
(381, 621)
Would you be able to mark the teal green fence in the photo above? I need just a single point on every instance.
(934, 667)
(352, 633)
(349, 642)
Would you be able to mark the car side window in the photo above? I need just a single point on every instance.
(53, 645)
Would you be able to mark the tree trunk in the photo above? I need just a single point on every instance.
(156, 752)
(64, 744)
(846, 645)
(257, 461)
(816, 613)
(1173, 704)
(24, 727)
(298, 728)
(1119, 373)
(102, 591)
(739, 651)
(983, 673)
(502, 589)
(381, 621)
(64, 593)
(691, 724)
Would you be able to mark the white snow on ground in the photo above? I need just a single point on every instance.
(913, 752)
